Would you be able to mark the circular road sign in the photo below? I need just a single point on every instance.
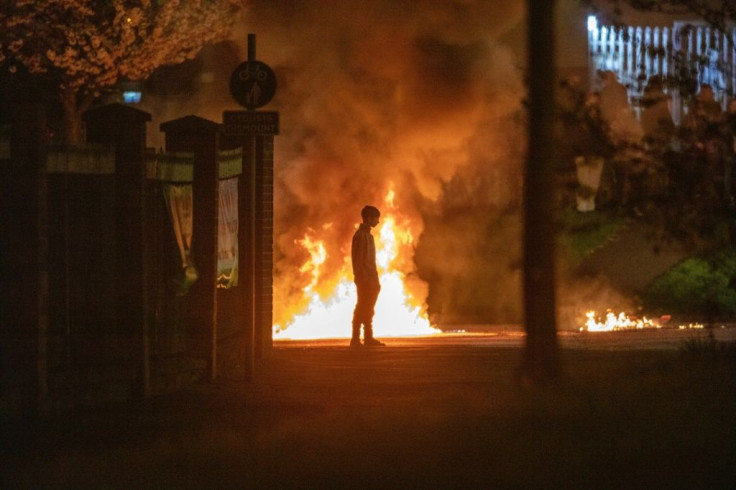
(253, 84)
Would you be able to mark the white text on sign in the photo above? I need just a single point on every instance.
(250, 122)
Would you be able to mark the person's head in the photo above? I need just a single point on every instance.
(370, 215)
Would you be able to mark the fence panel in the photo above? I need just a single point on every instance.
(82, 282)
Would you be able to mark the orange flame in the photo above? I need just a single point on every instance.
(613, 322)
(398, 313)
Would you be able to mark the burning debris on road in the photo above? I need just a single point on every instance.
(612, 322)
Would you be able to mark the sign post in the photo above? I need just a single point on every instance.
(253, 85)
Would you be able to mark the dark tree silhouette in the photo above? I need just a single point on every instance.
(87, 46)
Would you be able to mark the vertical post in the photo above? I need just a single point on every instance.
(145, 332)
(248, 207)
(592, 53)
(67, 268)
(540, 363)
(201, 136)
(42, 306)
(254, 131)
(621, 59)
(631, 55)
(264, 246)
(125, 127)
(24, 333)
(250, 175)
(251, 47)
(206, 178)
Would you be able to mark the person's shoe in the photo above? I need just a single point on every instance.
(371, 342)
(355, 343)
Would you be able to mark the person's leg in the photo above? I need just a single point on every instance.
(360, 316)
(355, 339)
(371, 296)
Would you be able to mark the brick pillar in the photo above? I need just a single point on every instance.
(254, 132)
(264, 246)
(125, 128)
(201, 137)
(247, 251)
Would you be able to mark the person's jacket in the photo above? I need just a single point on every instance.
(364, 254)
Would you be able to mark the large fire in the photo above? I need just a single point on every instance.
(329, 315)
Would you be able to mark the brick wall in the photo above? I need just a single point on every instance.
(264, 246)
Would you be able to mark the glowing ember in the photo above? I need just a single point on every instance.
(330, 315)
(692, 326)
(613, 322)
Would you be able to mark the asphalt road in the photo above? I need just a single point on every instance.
(513, 336)
(444, 411)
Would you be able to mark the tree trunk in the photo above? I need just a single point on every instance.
(72, 131)
(541, 359)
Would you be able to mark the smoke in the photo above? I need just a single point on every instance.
(421, 96)
(578, 295)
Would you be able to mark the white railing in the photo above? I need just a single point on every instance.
(685, 50)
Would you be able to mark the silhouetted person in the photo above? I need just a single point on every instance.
(659, 140)
(614, 103)
(626, 134)
(704, 127)
(363, 254)
(704, 119)
(656, 118)
(591, 144)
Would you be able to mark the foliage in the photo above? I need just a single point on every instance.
(698, 286)
(673, 178)
(583, 233)
(88, 45)
(581, 129)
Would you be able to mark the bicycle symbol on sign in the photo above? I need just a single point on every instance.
(253, 84)
(253, 73)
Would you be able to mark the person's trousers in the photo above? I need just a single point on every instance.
(365, 307)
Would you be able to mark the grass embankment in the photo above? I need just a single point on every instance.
(410, 417)
(583, 233)
(700, 288)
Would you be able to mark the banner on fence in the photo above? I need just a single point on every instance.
(180, 203)
(227, 234)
